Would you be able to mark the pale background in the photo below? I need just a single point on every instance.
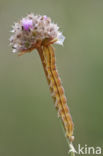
(28, 120)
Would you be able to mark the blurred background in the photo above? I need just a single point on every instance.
(28, 121)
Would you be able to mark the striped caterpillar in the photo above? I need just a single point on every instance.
(47, 56)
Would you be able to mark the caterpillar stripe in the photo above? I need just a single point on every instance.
(47, 56)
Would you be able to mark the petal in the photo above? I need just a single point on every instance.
(61, 39)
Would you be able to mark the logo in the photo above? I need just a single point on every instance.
(85, 150)
(72, 149)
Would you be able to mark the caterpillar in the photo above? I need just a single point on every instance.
(47, 56)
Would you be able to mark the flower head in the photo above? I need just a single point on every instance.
(33, 29)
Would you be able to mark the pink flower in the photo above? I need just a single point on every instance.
(33, 28)
(27, 23)
(45, 17)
